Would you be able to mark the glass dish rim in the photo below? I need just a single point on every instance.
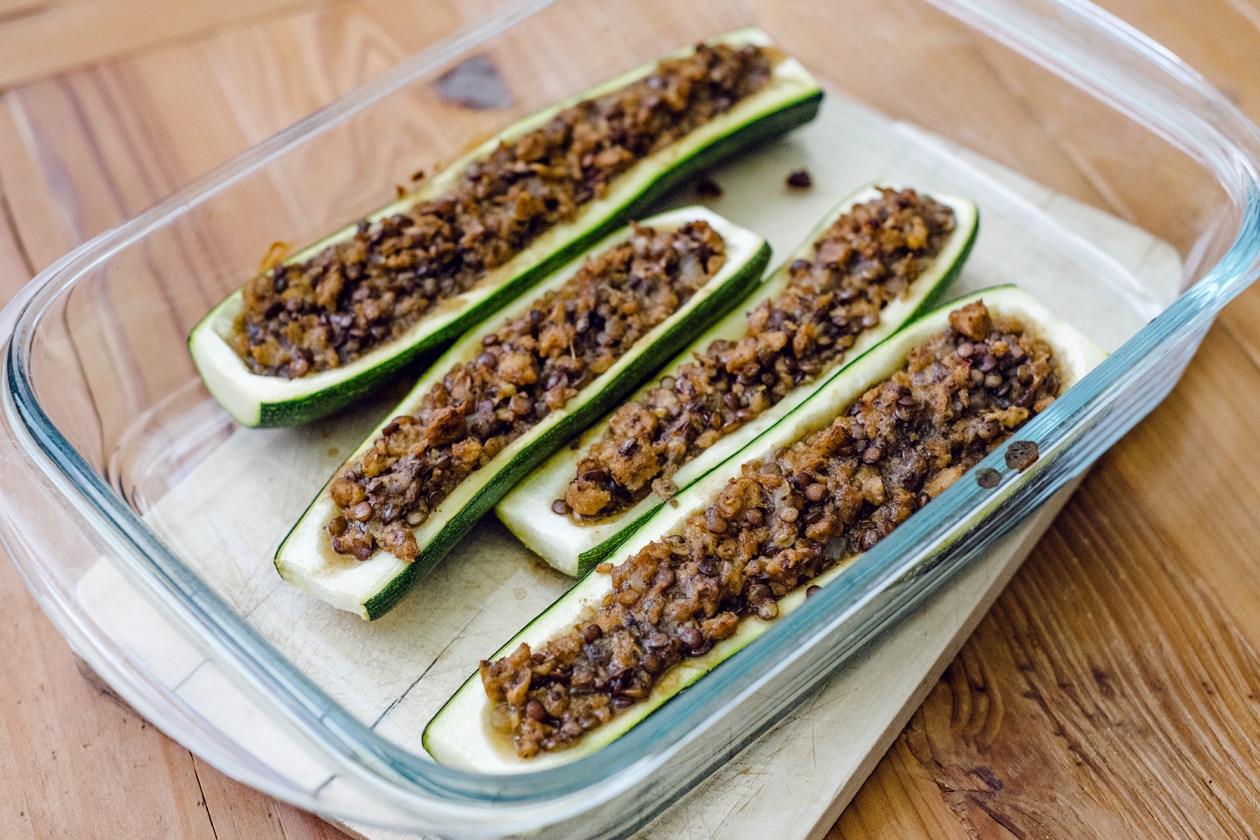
(1222, 140)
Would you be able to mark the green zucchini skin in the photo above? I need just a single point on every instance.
(575, 548)
(305, 559)
(792, 99)
(459, 734)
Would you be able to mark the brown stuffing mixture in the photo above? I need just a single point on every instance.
(529, 367)
(329, 310)
(866, 259)
(777, 526)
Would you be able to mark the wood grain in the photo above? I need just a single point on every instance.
(79, 154)
(1172, 474)
(1112, 690)
(1021, 116)
(1145, 711)
(42, 37)
(70, 750)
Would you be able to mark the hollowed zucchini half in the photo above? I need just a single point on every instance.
(373, 586)
(791, 98)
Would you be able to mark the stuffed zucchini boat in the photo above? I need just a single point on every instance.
(874, 261)
(324, 327)
(750, 541)
(506, 395)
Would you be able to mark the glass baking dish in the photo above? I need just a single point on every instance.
(126, 506)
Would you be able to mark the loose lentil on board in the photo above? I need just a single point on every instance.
(530, 366)
(777, 526)
(328, 310)
(800, 179)
(867, 258)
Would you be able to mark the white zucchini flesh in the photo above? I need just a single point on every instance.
(573, 547)
(460, 734)
(255, 399)
(370, 587)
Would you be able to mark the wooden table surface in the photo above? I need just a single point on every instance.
(1111, 692)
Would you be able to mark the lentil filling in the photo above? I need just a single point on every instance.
(354, 295)
(869, 257)
(777, 526)
(530, 366)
